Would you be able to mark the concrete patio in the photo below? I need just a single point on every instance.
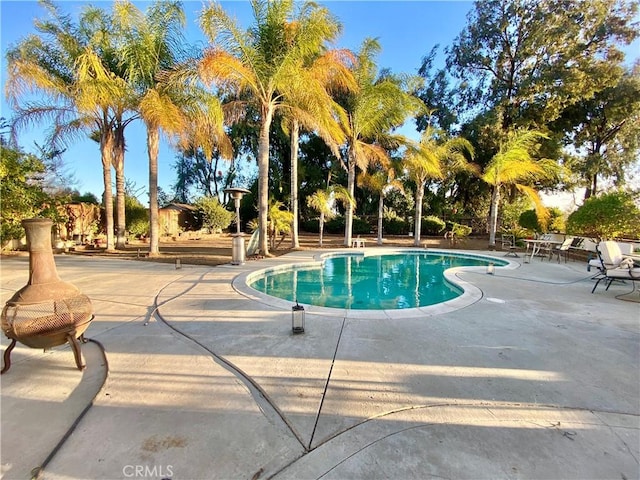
(536, 378)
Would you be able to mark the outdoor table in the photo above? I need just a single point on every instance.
(537, 244)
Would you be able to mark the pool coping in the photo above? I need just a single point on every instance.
(470, 292)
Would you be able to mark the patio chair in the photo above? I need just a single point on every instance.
(563, 250)
(609, 256)
(625, 271)
(509, 241)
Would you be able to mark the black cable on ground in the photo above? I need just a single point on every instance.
(36, 473)
(248, 381)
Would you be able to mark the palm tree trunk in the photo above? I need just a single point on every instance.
(493, 215)
(418, 220)
(321, 226)
(153, 139)
(263, 180)
(351, 182)
(118, 163)
(295, 131)
(106, 151)
(380, 215)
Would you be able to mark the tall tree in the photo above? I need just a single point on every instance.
(315, 110)
(381, 181)
(380, 104)
(605, 132)
(515, 165)
(149, 43)
(530, 59)
(425, 161)
(265, 67)
(152, 47)
(323, 202)
(68, 65)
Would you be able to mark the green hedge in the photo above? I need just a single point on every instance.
(336, 226)
(310, 226)
(396, 226)
(432, 225)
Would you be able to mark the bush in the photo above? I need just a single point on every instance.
(336, 226)
(432, 225)
(529, 220)
(460, 231)
(395, 226)
(214, 216)
(136, 216)
(361, 227)
(311, 226)
(608, 216)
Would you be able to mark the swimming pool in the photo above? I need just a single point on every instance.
(391, 281)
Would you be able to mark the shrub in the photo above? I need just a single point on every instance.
(432, 225)
(336, 226)
(214, 216)
(612, 215)
(360, 226)
(311, 226)
(529, 220)
(460, 230)
(136, 216)
(395, 226)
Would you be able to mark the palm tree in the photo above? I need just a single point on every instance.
(513, 164)
(323, 202)
(379, 105)
(316, 110)
(68, 65)
(266, 66)
(151, 47)
(279, 222)
(425, 161)
(150, 43)
(381, 182)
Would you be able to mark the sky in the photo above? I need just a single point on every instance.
(406, 30)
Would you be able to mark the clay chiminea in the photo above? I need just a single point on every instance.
(46, 312)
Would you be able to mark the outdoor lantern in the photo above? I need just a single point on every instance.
(297, 318)
(490, 269)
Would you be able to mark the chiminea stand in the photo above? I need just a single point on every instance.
(46, 312)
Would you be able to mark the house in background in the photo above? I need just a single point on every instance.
(83, 222)
(176, 218)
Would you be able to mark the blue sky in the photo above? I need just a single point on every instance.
(407, 30)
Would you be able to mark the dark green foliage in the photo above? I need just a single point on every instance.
(311, 226)
(395, 226)
(608, 216)
(336, 226)
(432, 225)
(86, 197)
(528, 60)
(529, 220)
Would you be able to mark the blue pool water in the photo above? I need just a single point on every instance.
(377, 282)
